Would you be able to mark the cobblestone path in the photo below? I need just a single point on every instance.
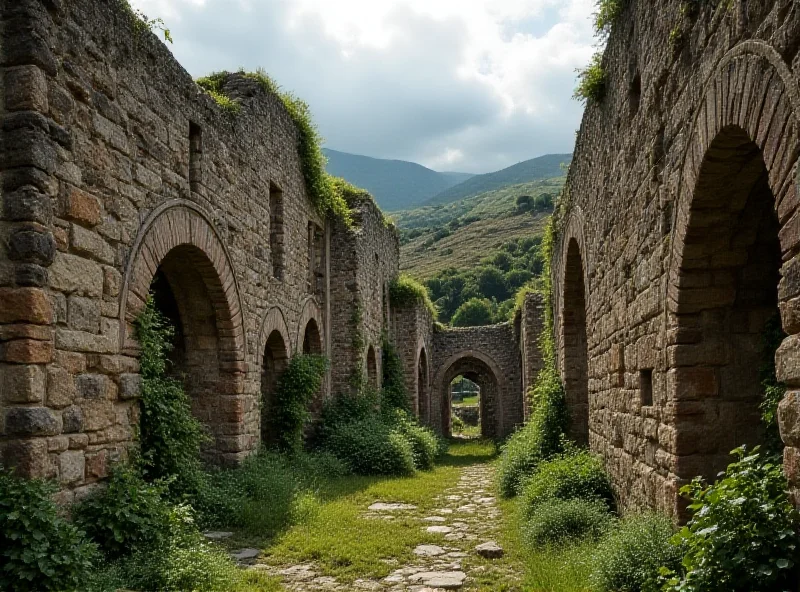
(467, 558)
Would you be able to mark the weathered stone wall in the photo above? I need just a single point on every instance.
(117, 169)
(489, 357)
(364, 260)
(528, 327)
(412, 332)
(679, 213)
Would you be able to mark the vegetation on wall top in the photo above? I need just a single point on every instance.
(142, 23)
(406, 291)
(324, 191)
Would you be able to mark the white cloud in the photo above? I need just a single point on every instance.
(478, 84)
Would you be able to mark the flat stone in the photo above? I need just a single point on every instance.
(489, 550)
(439, 529)
(245, 554)
(434, 519)
(429, 551)
(386, 507)
(217, 535)
(440, 579)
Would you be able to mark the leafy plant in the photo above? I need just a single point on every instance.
(170, 436)
(142, 23)
(774, 391)
(576, 474)
(406, 291)
(127, 515)
(395, 394)
(297, 387)
(475, 312)
(39, 550)
(608, 12)
(592, 81)
(370, 446)
(325, 192)
(559, 521)
(629, 558)
(743, 531)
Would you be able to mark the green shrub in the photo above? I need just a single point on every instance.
(541, 438)
(296, 389)
(628, 559)
(370, 446)
(743, 530)
(424, 444)
(576, 474)
(127, 515)
(560, 521)
(592, 81)
(169, 435)
(475, 312)
(394, 395)
(608, 11)
(39, 550)
(406, 291)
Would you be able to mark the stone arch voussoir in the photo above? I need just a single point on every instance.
(274, 320)
(310, 310)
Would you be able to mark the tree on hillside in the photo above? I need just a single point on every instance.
(475, 312)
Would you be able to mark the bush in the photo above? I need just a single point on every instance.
(577, 474)
(395, 395)
(540, 439)
(743, 530)
(424, 444)
(406, 291)
(370, 446)
(560, 521)
(170, 436)
(39, 550)
(628, 559)
(296, 389)
(592, 81)
(475, 312)
(127, 515)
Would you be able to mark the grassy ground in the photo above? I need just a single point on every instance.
(331, 532)
(467, 401)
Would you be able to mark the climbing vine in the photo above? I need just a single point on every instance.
(326, 193)
(406, 291)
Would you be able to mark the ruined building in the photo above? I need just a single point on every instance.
(120, 177)
(678, 240)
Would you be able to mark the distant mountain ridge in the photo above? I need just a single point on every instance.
(544, 167)
(395, 184)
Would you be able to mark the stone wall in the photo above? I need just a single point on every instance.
(412, 332)
(677, 241)
(528, 327)
(117, 170)
(489, 357)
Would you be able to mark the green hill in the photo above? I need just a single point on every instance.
(459, 234)
(395, 184)
(544, 167)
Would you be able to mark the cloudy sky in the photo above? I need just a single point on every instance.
(456, 85)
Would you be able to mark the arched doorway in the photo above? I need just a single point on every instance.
(481, 371)
(465, 406)
(725, 292)
(312, 341)
(275, 360)
(574, 354)
(372, 368)
(423, 402)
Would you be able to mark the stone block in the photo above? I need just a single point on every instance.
(97, 415)
(25, 305)
(27, 351)
(61, 389)
(130, 386)
(32, 246)
(71, 466)
(73, 274)
(72, 419)
(25, 89)
(96, 465)
(30, 275)
(89, 243)
(31, 421)
(81, 207)
(84, 314)
(787, 361)
(92, 386)
(28, 204)
(23, 384)
(29, 458)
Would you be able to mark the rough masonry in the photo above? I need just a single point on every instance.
(678, 237)
(120, 178)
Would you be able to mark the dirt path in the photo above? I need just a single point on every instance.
(465, 517)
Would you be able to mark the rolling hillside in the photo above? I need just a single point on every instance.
(395, 184)
(460, 234)
(544, 167)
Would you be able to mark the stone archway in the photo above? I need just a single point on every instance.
(483, 371)
(732, 235)
(180, 256)
(422, 404)
(274, 359)
(574, 354)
